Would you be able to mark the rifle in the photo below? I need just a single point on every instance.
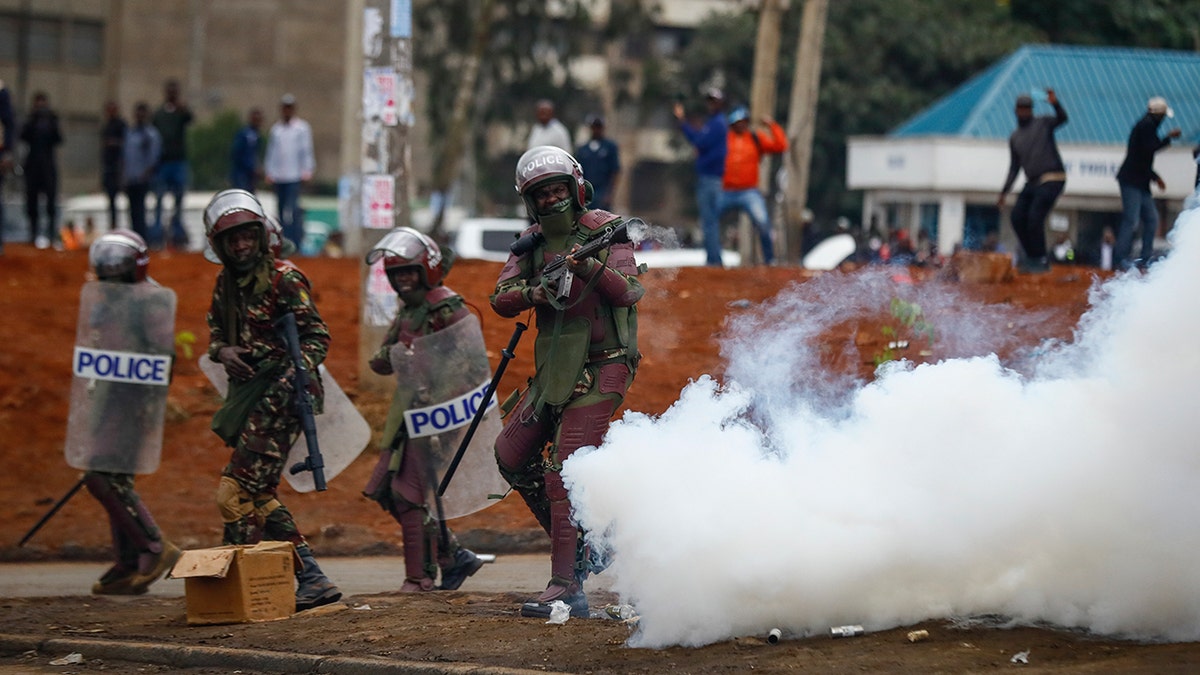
(505, 356)
(286, 327)
(53, 510)
(556, 275)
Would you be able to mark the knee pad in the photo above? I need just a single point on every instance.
(233, 502)
(265, 505)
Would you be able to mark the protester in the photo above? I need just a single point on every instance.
(416, 268)
(142, 149)
(1134, 178)
(171, 119)
(710, 143)
(259, 418)
(42, 137)
(1032, 148)
(600, 159)
(547, 130)
(289, 164)
(744, 151)
(112, 140)
(586, 354)
(123, 417)
(244, 155)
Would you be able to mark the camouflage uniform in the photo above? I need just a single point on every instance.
(242, 313)
(400, 480)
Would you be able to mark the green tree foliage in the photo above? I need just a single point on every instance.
(208, 148)
(530, 49)
(1158, 24)
(531, 45)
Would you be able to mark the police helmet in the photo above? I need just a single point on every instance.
(406, 247)
(120, 255)
(547, 164)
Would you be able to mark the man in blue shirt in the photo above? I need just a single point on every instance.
(245, 167)
(141, 153)
(709, 141)
(601, 162)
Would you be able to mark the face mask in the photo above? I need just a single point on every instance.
(557, 226)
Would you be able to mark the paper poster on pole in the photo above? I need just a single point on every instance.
(379, 306)
(379, 95)
(372, 32)
(377, 201)
(401, 18)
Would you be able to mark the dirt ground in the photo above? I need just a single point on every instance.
(682, 318)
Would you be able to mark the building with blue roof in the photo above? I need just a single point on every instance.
(941, 171)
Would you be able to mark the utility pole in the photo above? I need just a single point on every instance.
(762, 102)
(373, 192)
(802, 121)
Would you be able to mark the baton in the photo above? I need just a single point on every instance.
(53, 510)
(505, 356)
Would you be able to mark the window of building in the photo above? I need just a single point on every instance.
(45, 41)
(85, 47)
(9, 25)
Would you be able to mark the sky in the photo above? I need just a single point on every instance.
(1058, 487)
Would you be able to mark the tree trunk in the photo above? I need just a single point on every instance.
(762, 102)
(446, 169)
(802, 121)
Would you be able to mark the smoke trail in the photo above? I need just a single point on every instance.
(949, 490)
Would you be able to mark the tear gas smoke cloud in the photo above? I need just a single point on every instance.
(949, 490)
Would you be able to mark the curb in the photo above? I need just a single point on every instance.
(180, 656)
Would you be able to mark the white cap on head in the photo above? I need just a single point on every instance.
(1159, 105)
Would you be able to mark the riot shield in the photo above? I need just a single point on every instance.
(124, 344)
(444, 375)
(342, 432)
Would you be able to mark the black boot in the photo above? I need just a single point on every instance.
(573, 595)
(465, 564)
(315, 589)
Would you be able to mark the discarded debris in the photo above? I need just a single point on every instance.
(739, 304)
(1020, 657)
(559, 612)
(774, 636)
(71, 659)
(918, 635)
(846, 631)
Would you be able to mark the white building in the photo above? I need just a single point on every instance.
(941, 171)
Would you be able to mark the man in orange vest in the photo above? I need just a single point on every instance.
(744, 151)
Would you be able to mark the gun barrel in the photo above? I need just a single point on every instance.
(286, 325)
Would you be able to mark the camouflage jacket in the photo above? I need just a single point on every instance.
(244, 309)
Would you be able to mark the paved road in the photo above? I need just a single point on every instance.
(355, 576)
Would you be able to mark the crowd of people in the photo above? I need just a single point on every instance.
(149, 155)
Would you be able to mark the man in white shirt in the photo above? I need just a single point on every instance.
(289, 164)
(548, 130)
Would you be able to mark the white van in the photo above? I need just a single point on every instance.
(489, 239)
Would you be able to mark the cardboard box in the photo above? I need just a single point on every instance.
(238, 584)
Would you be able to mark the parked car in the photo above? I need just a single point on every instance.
(489, 239)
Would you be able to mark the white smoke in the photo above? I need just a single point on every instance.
(1068, 495)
